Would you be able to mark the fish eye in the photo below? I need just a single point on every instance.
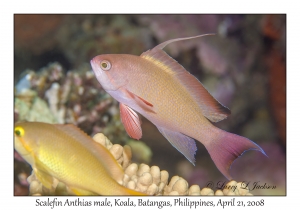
(19, 131)
(105, 65)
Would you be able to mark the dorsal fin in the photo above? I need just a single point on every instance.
(162, 45)
(210, 107)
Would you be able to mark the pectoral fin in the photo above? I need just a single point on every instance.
(131, 121)
(42, 175)
(184, 144)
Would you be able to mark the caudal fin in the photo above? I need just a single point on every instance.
(227, 147)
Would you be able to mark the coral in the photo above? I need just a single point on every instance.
(30, 107)
(53, 100)
(142, 178)
(71, 96)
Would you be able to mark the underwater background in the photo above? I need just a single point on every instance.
(243, 66)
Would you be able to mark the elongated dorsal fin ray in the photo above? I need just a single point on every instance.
(210, 107)
(162, 45)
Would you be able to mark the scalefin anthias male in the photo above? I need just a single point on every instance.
(156, 86)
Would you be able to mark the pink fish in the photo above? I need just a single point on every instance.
(156, 86)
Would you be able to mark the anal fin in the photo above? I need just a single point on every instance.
(184, 144)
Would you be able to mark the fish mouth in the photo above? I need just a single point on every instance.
(92, 62)
(96, 69)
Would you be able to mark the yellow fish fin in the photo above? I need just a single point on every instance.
(73, 131)
(42, 176)
(42, 173)
(79, 191)
(210, 107)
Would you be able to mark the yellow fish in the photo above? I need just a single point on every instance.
(156, 86)
(71, 156)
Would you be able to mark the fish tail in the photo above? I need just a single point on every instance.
(227, 147)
